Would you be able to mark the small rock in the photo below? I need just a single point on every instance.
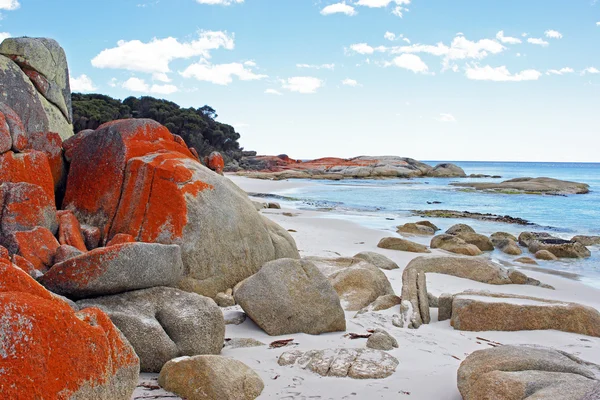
(545, 255)
(224, 300)
(382, 340)
(460, 228)
(526, 260)
(399, 244)
(378, 260)
(238, 343)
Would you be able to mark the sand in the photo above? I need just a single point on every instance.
(429, 357)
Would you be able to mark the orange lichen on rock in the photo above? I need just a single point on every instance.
(51, 352)
(98, 163)
(91, 235)
(17, 130)
(215, 162)
(26, 266)
(120, 238)
(4, 254)
(38, 246)
(69, 230)
(153, 206)
(23, 207)
(31, 167)
(49, 143)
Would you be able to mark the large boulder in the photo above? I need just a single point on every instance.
(447, 170)
(454, 244)
(459, 228)
(49, 351)
(587, 240)
(291, 296)
(164, 323)
(394, 243)
(416, 229)
(210, 378)
(341, 363)
(527, 372)
(378, 260)
(152, 187)
(357, 282)
(116, 269)
(484, 311)
(35, 70)
(482, 242)
(31, 167)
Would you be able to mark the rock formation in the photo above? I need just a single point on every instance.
(531, 186)
(527, 372)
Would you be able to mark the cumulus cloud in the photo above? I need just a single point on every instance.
(4, 35)
(273, 91)
(590, 70)
(562, 71)
(389, 36)
(220, 74)
(220, 2)
(350, 82)
(302, 84)
(156, 55)
(540, 42)
(500, 74)
(317, 66)
(410, 62)
(507, 39)
(598, 23)
(339, 8)
(83, 83)
(446, 117)
(9, 5)
(140, 85)
(552, 34)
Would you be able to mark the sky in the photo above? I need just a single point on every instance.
(494, 80)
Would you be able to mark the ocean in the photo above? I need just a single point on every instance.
(384, 204)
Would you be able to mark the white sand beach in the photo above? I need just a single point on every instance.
(429, 356)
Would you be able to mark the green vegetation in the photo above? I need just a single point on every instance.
(198, 127)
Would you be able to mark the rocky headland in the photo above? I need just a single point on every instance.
(283, 167)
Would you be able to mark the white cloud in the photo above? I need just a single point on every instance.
(250, 63)
(553, 34)
(161, 77)
(410, 62)
(364, 48)
(313, 66)
(500, 74)
(407, 40)
(9, 5)
(562, 71)
(113, 82)
(350, 82)
(590, 70)
(4, 35)
(82, 84)
(302, 84)
(220, 74)
(598, 23)
(540, 42)
(390, 36)
(140, 85)
(507, 39)
(446, 117)
(399, 11)
(380, 3)
(219, 2)
(273, 91)
(156, 55)
(461, 48)
(339, 8)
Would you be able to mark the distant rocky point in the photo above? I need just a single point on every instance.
(548, 186)
(283, 167)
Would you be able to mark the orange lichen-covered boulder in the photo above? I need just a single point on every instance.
(98, 163)
(23, 207)
(31, 167)
(69, 230)
(4, 254)
(215, 162)
(51, 352)
(50, 143)
(133, 177)
(120, 238)
(38, 246)
(116, 269)
(26, 266)
(15, 126)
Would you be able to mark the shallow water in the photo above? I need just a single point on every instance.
(384, 204)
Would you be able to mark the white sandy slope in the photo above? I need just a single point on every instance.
(429, 357)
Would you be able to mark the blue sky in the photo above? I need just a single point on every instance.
(430, 79)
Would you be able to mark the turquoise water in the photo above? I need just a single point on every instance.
(384, 204)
